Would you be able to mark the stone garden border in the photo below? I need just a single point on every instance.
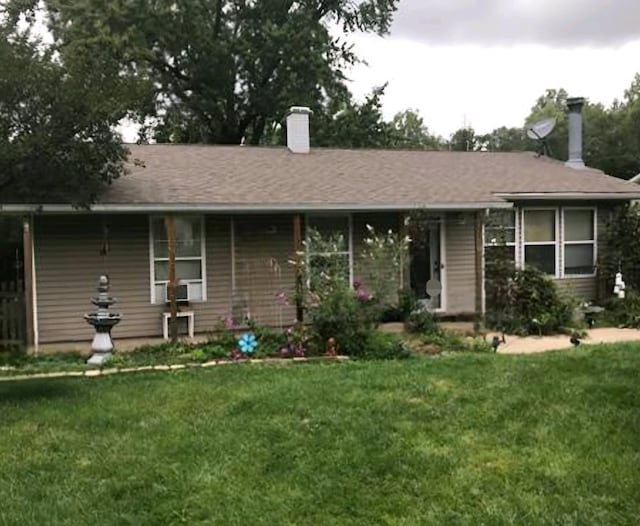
(94, 373)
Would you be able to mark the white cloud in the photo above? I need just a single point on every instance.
(487, 86)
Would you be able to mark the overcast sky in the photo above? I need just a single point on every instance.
(484, 62)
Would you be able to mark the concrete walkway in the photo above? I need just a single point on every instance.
(533, 344)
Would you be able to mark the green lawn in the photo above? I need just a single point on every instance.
(460, 439)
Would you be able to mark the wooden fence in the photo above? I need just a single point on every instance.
(12, 314)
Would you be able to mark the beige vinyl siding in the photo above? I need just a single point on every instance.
(263, 249)
(68, 264)
(460, 263)
(583, 289)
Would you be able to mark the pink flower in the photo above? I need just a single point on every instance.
(236, 354)
(228, 322)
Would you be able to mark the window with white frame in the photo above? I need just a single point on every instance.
(540, 239)
(564, 248)
(579, 241)
(190, 262)
(500, 235)
(328, 246)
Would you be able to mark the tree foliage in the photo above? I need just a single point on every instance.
(464, 140)
(505, 139)
(408, 130)
(224, 70)
(57, 119)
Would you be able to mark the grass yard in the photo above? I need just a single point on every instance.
(461, 439)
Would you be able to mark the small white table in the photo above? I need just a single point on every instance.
(180, 314)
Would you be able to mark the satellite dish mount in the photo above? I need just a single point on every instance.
(539, 132)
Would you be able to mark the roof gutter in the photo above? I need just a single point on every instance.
(248, 208)
(571, 196)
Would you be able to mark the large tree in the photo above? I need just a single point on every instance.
(408, 130)
(225, 69)
(464, 140)
(57, 119)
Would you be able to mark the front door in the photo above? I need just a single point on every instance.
(426, 265)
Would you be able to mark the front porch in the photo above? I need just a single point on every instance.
(237, 265)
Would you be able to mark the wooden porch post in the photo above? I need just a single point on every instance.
(170, 227)
(478, 265)
(297, 248)
(27, 255)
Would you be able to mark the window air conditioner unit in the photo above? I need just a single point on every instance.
(182, 293)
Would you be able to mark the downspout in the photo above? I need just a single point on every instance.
(31, 301)
(479, 220)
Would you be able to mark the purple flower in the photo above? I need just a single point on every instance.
(228, 322)
(357, 283)
(284, 352)
(363, 296)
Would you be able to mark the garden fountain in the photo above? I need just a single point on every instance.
(102, 320)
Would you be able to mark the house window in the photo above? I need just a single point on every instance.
(500, 235)
(329, 247)
(540, 247)
(564, 248)
(190, 262)
(579, 242)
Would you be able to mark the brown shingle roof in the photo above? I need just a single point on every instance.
(228, 175)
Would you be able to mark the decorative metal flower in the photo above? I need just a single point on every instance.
(247, 343)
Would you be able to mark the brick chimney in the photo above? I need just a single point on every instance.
(298, 129)
(574, 105)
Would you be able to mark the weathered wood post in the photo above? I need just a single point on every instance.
(297, 249)
(170, 227)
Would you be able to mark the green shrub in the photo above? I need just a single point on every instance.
(407, 303)
(270, 341)
(214, 351)
(341, 316)
(385, 346)
(450, 341)
(421, 322)
(530, 303)
(536, 305)
(624, 312)
(479, 344)
(198, 355)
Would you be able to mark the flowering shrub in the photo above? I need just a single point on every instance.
(346, 318)
(384, 258)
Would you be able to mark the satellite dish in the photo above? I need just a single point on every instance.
(539, 131)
